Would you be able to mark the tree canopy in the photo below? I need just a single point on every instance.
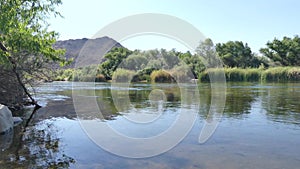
(23, 29)
(286, 52)
(207, 51)
(236, 54)
(25, 42)
(113, 59)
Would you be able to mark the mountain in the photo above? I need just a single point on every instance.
(91, 51)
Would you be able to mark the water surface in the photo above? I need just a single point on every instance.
(260, 128)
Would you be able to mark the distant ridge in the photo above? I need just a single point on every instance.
(90, 50)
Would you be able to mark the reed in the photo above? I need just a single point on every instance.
(274, 74)
(281, 74)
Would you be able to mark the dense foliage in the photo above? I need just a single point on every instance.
(25, 42)
(237, 54)
(285, 52)
(113, 60)
(160, 65)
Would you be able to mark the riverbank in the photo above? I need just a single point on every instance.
(273, 74)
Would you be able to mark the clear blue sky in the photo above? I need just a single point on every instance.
(252, 21)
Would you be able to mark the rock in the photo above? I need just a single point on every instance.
(6, 140)
(6, 119)
(17, 120)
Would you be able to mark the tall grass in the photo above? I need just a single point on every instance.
(275, 74)
(238, 74)
(281, 74)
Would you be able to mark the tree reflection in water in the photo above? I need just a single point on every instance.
(247, 104)
(38, 147)
(281, 103)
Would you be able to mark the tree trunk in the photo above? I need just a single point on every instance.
(18, 77)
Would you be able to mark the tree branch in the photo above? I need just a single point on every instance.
(3, 48)
(14, 70)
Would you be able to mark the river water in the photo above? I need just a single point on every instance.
(259, 128)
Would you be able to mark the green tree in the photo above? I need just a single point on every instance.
(113, 59)
(236, 54)
(134, 62)
(170, 58)
(286, 52)
(194, 62)
(207, 51)
(25, 42)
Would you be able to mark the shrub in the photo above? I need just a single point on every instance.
(215, 73)
(143, 75)
(100, 78)
(182, 73)
(123, 75)
(161, 76)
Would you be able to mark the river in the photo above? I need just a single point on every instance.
(259, 128)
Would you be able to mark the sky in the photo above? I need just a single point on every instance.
(254, 21)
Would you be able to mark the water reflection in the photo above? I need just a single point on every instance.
(260, 127)
(239, 101)
(282, 103)
(37, 147)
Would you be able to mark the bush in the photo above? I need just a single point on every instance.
(143, 75)
(63, 75)
(100, 78)
(161, 76)
(123, 75)
(216, 73)
(182, 74)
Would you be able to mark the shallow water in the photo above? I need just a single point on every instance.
(260, 127)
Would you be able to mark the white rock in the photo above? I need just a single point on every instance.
(6, 119)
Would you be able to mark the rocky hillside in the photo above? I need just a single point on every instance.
(91, 51)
